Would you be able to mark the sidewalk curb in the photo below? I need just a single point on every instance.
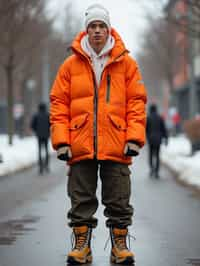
(22, 169)
(194, 188)
(17, 171)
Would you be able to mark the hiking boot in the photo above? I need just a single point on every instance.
(120, 254)
(81, 252)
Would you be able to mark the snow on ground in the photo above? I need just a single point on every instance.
(22, 154)
(176, 155)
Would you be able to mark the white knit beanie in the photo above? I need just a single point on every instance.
(97, 12)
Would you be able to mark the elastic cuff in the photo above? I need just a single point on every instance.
(135, 142)
(62, 145)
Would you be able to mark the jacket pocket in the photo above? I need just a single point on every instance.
(78, 122)
(80, 140)
(116, 136)
(118, 122)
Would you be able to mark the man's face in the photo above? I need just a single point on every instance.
(98, 33)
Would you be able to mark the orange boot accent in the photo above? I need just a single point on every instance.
(81, 253)
(120, 254)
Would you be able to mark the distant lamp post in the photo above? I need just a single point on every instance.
(30, 87)
(31, 84)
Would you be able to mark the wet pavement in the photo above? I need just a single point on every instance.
(34, 231)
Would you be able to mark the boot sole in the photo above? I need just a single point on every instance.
(124, 261)
(75, 261)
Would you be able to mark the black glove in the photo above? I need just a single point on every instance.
(131, 149)
(131, 152)
(64, 153)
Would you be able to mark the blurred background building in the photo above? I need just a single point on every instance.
(185, 15)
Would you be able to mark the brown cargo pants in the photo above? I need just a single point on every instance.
(115, 193)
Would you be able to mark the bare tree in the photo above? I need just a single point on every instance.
(17, 35)
(71, 25)
(57, 53)
(161, 46)
(153, 55)
(188, 21)
(160, 57)
(60, 45)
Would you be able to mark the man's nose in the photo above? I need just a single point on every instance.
(97, 29)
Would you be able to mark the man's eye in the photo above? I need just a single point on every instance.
(92, 26)
(102, 26)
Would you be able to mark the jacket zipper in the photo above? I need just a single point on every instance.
(108, 88)
(95, 114)
(96, 102)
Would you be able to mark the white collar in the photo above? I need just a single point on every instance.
(90, 51)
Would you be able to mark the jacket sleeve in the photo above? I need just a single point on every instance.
(59, 108)
(136, 104)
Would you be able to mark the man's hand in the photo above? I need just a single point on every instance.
(131, 149)
(64, 153)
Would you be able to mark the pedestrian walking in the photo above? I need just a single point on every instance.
(156, 132)
(41, 126)
(98, 122)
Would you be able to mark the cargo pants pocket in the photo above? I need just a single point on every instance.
(116, 192)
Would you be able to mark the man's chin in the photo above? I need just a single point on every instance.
(97, 43)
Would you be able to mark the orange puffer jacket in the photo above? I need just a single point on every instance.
(97, 122)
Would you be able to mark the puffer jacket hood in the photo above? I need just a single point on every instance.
(98, 122)
(117, 50)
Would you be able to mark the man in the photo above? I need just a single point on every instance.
(156, 131)
(97, 123)
(40, 125)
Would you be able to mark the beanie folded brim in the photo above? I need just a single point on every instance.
(98, 19)
(97, 12)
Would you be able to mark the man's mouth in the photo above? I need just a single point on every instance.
(97, 37)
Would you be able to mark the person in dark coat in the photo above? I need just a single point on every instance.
(156, 132)
(41, 126)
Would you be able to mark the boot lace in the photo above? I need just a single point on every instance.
(79, 241)
(120, 241)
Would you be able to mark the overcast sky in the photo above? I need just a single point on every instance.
(127, 17)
